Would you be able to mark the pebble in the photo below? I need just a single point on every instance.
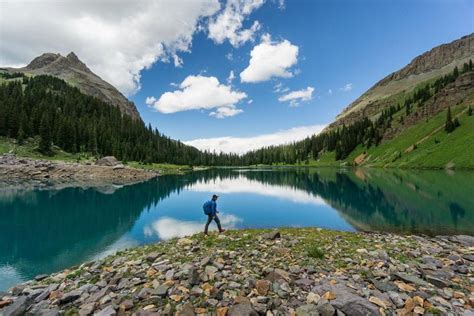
(268, 273)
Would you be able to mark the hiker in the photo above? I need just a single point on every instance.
(210, 209)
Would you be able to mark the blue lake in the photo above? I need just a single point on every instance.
(49, 228)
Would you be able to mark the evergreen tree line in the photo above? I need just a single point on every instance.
(342, 141)
(61, 115)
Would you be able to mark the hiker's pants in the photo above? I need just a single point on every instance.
(209, 220)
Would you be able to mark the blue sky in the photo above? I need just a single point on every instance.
(340, 42)
(342, 46)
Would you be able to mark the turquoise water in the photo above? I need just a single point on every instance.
(49, 229)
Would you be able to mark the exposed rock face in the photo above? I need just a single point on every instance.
(12, 167)
(76, 73)
(434, 63)
(436, 58)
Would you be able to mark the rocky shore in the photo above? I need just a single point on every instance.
(13, 168)
(261, 272)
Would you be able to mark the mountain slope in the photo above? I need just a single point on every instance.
(399, 122)
(77, 74)
(433, 64)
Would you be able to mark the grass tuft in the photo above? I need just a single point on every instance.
(315, 252)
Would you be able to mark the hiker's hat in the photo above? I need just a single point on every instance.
(215, 196)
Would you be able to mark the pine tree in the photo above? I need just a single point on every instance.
(465, 68)
(20, 138)
(449, 125)
(456, 122)
(13, 122)
(455, 72)
(45, 136)
(469, 111)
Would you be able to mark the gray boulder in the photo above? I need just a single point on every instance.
(242, 309)
(18, 307)
(109, 161)
(307, 310)
(348, 301)
(193, 276)
(326, 309)
(272, 235)
(70, 297)
(463, 239)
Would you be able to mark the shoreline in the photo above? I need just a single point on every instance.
(348, 166)
(302, 271)
(15, 169)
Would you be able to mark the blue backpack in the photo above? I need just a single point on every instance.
(207, 207)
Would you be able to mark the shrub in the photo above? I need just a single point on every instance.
(315, 252)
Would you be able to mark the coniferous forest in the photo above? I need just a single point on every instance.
(59, 114)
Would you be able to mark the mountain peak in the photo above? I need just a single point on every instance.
(76, 62)
(72, 56)
(42, 61)
(75, 72)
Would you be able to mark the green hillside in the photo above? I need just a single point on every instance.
(408, 131)
(435, 148)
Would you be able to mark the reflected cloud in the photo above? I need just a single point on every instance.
(167, 227)
(124, 242)
(9, 276)
(242, 184)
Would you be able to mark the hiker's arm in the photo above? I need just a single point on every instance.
(214, 209)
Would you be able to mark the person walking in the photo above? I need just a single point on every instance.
(210, 209)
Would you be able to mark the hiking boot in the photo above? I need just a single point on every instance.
(222, 230)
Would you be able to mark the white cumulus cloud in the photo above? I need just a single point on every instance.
(116, 40)
(199, 92)
(231, 77)
(297, 96)
(242, 184)
(224, 111)
(150, 100)
(270, 59)
(241, 145)
(347, 87)
(228, 25)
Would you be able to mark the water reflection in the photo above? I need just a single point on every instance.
(167, 227)
(47, 229)
(241, 184)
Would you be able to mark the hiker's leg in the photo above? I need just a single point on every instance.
(209, 220)
(218, 222)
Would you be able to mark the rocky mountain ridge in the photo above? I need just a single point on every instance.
(75, 72)
(432, 64)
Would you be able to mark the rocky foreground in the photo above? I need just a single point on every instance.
(105, 170)
(255, 272)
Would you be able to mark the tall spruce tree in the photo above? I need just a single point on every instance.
(449, 124)
(45, 136)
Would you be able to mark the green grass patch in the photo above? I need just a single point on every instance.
(29, 149)
(436, 151)
(164, 168)
(315, 252)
